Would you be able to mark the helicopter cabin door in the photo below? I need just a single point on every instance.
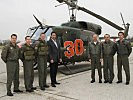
(74, 44)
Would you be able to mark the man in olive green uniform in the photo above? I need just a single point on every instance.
(42, 53)
(95, 56)
(108, 51)
(10, 55)
(123, 51)
(28, 57)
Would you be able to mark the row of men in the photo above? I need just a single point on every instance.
(105, 52)
(28, 54)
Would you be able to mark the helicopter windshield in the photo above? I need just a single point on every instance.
(48, 34)
(36, 35)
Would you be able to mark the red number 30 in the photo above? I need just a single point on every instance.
(76, 47)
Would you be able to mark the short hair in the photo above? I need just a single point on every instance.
(26, 37)
(53, 32)
(42, 33)
(94, 34)
(13, 35)
(107, 34)
(121, 33)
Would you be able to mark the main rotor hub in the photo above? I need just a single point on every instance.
(72, 10)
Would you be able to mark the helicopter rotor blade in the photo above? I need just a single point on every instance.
(123, 20)
(38, 21)
(91, 13)
(101, 18)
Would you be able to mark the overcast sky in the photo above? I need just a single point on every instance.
(16, 15)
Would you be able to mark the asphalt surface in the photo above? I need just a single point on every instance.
(72, 87)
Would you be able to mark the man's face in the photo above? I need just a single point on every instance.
(107, 38)
(42, 37)
(53, 36)
(121, 36)
(94, 38)
(13, 39)
(28, 40)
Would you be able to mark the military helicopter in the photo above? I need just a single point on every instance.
(73, 35)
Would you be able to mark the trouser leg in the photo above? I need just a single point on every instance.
(52, 72)
(98, 64)
(105, 69)
(93, 66)
(45, 71)
(16, 77)
(28, 71)
(10, 74)
(111, 68)
(119, 67)
(126, 68)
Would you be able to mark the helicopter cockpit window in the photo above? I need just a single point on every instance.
(48, 34)
(37, 34)
(30, 31)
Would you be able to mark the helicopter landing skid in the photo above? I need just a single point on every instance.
(68, 68)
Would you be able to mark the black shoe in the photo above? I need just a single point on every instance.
(53, 85)
(119, 82)
(46, 86)
(100, 81)
(57, 83)
(110, 82)
(92, 81)
(106, 81)
(33, 88)
(18, 91)
(9, 94)
(43, 88)
(30, 90)
(127, 83)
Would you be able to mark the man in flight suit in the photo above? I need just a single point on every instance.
(10, 55)
(123, 52)
(95, 55)
(28, 57)
(108, 51)
(42, 53)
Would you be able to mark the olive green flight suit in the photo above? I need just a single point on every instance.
(42, 53)
(10, 55)
(95, 54)
(123, 51)
(28, 57)
(108, 51)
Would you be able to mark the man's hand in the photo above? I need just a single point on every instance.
(101, 60)
(51, 61)
(60, 60)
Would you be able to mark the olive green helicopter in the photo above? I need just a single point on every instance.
(73, 36)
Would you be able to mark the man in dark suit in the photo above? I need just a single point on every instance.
(54, 57)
